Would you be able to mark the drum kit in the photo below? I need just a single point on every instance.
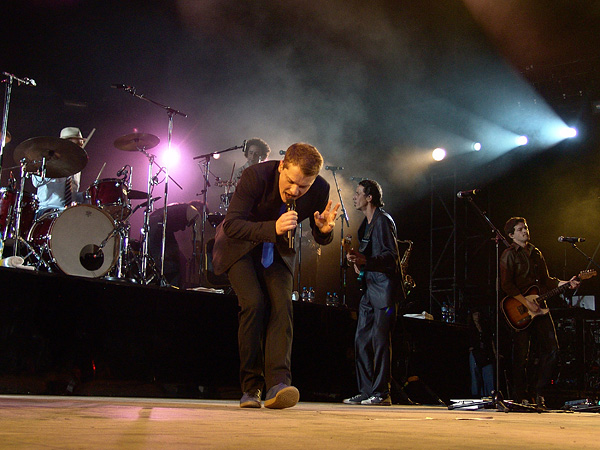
(90, 239)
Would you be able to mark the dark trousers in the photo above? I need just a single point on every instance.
(265, 320)
(541, 332)
(373, 348)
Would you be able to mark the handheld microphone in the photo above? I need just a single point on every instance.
(332, 168)
(122, 171)
(244, 146)
(467, 194)
(571, 240)
(282, 152)
(291, 206)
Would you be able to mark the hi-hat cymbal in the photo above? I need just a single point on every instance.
(63, 157)
(136, 195)
(136, 141)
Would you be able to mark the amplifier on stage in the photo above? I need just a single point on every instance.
(585, 302)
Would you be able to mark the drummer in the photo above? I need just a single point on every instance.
(54, 193)
(255, 151)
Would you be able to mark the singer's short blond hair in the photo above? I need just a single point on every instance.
(305, 156)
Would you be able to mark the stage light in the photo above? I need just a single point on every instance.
(567, 132)
(522, 140)
(216, 155)
(477, 146)
(438, 154)
(170, 157)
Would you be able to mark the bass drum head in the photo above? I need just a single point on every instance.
(75, 239)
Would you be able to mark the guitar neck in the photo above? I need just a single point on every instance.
(551, 293)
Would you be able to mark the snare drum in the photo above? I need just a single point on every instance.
(70, 240)
(8, 206)
(110, 194)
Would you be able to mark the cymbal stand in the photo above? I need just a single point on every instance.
(123, 228)
(204, 164)
(171, 112)
(18, 211)
(19, 207)
(152, 181)
(343, 217)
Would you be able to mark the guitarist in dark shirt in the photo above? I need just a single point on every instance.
(377, 260)
(521, 267)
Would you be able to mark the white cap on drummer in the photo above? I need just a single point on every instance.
(70, 133)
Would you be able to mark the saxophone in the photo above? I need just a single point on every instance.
(407, 280)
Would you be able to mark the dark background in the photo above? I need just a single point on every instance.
(375, 86)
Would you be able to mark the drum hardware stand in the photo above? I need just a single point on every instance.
(19, 204)
(8, 82)
(38, 257)
(171, 112)
(343, 217)
(153, 181)
(204, 165)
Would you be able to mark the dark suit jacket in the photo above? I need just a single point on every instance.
(253, 211)
(381, 250)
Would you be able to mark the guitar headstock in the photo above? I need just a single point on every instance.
(585, 274)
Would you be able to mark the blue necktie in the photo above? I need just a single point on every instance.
(269, 247)
(267, 254)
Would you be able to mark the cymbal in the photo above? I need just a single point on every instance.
(137, 195)
(136, 141)
(63, 157)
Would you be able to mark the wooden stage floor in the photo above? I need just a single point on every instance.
(50, 422)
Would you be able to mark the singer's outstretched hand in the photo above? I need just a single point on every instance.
(325, 221)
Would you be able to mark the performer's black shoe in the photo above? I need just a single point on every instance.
(356, 400)
(282, 396)
(250, 399)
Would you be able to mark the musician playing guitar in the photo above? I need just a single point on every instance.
(377, 259)
(522, 266)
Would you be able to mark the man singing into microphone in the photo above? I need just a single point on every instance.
(251, 246)
(521, 267)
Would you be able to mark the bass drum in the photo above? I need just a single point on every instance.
(70, 240)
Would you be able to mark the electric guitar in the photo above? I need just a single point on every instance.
(520, 317)
(347, 245)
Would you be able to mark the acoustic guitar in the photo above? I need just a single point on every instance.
(520, 317)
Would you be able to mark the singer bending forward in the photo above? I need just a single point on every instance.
(252, 246)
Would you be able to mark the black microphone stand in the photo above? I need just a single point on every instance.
(590, 260)
(498, 237)
(343, 216)
(205, 167)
